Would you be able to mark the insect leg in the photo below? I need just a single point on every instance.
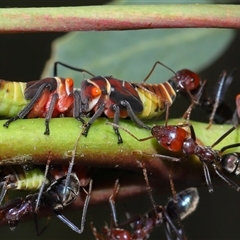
(4, 184)
(132, 115)
(68, 222)
(225, 178)
(42, 187)
(194, 101)
(50, 112)
(77, 108)
(112, 202)
(116, 121)
(93, 118)
(207, 177)
(168, 225)
(28, 108)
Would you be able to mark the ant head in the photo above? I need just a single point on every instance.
(170, 137)
(186, 80)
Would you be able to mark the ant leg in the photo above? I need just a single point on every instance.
(112, 202)
(162, 157)
(42, 187)
(149, 189)
(4, 184)
(96, 234)
(225, 178)
(207, 177)
(169, 225)
(71, 164)
(68, 222)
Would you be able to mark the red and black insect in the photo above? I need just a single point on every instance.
(46, 98)
(184, 204)
(176, 139)
(55, 196)
(121, 99)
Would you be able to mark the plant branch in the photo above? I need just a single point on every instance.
(24, 142)
(119, 17)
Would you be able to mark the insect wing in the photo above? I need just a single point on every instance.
(122, 90)
(33, 86)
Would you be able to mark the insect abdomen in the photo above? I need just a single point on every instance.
(155, 98)
(22, 179)
(12, 99)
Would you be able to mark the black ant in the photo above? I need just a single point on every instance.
(52, 197)
(177, 139)
(185, 203)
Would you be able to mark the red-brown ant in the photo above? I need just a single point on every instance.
(177, 139)
(185, 203)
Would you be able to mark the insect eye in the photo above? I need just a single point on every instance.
(69, 82)
(96, 91)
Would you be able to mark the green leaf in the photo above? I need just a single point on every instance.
(130, 55)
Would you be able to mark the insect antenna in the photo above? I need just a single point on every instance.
(154, 66)
(70, 67)
(124, 129)
(223, 136)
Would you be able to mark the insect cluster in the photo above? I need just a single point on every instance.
(58, 186)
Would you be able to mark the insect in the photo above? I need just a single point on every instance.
(51, 197)
(121, 99)
(186, 202)
(177, 139)
(219, 110)
(46, 98)
(236, 116)
(28, 177)
(21, 177)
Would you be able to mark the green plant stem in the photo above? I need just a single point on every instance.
(24, 142)
(119, 17)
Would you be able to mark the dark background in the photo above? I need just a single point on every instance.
(23, 57)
